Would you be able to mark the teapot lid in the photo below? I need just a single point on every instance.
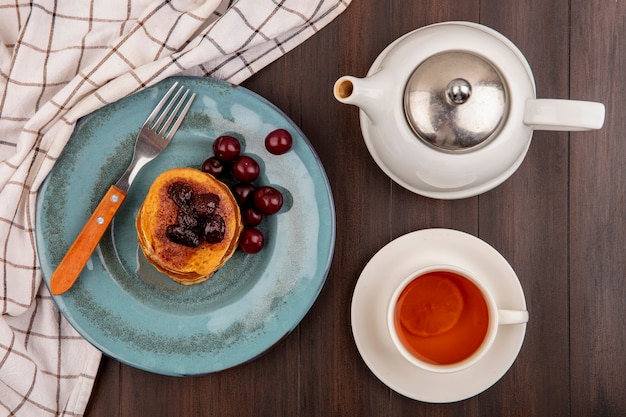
(456, 101)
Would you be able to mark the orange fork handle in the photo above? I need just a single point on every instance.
(77, 256)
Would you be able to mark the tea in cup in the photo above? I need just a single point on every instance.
(444, 319)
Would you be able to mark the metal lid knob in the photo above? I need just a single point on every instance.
(456, 101)
(459, 91)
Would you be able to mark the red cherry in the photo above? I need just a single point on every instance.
(213, 166)
(251, 217)
(268, 200)
(251, 240)
(243, 193)
(278, 141)
(246, 169)
(226, 148)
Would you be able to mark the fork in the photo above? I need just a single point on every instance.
(154, 136)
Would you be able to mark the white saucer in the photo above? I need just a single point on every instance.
(385, 271)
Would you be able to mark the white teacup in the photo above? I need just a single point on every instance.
(444, 319)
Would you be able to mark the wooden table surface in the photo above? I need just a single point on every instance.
(560, 221)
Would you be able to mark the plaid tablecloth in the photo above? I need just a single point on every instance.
(60, 60)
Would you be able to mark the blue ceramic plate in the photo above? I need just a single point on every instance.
(121, 304)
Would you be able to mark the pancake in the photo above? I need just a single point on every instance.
(187, 257)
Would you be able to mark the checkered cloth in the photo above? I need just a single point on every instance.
(59, 61)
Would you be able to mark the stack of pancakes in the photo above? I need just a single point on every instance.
(182, 263)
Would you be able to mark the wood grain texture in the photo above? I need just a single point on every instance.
(560, 221)
(597, 227)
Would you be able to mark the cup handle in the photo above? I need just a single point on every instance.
(512, 316)
(563, 115)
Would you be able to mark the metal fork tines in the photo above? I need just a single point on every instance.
(161, 126)
(158, 130)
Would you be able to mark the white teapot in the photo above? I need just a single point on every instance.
(448, 110)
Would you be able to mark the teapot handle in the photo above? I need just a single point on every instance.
(563, 115)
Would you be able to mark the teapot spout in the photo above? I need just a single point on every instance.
(365, 93)
(344, 89)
